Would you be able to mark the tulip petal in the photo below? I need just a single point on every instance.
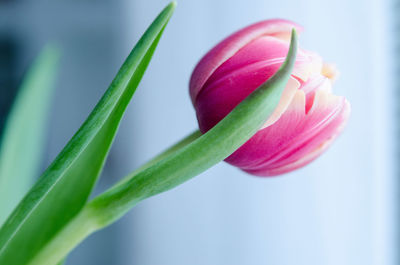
(296, 138)
(218, 100)
(266, 51)
(228, 47)
(236, 78)
(308, 116)
(316, 82)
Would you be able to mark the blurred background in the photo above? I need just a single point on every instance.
(341, 209)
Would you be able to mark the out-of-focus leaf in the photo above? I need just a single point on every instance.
(22, 144)
(187, 159)
(65, 186)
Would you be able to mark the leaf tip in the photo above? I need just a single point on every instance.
(293, 38)
(291, 56)
(173, 4)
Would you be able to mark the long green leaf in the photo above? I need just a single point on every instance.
(187, 159)
(21, 147)
(64, 187)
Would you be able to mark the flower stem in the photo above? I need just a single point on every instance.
(185, 141)
(67, 239)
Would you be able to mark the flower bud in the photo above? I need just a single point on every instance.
(308, 117)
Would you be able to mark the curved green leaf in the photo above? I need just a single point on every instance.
(65, 186)
(187, 159)
(22, 144)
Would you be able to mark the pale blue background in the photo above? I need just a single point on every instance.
(339, 210)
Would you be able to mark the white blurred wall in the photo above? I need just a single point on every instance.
(338, 210)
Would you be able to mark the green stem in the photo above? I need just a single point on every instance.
(69, 237)
(185, 141)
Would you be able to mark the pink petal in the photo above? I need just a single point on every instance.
(213, 104)
(316, 82)
(240, 75)
(228, 47)
(296, 138)
(267, 51)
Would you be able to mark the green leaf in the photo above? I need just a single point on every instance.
(65, 186)
(61, 262)
(22, 144)
(187, 159)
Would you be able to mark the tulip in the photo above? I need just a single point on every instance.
(305, 122)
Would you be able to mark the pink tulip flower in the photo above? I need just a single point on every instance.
(308, 117)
